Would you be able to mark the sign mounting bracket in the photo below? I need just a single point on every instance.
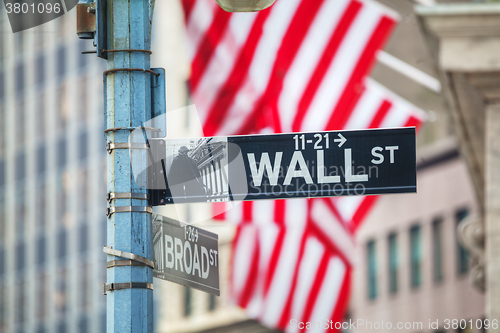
(109, 250)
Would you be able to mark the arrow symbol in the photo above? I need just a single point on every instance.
(341, 139)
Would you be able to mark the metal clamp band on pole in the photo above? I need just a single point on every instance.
(127, 50)
(126, 285)
(125, 145)
(119, 263)
(137, 196)
(112, 71)
(114, 129)
(109, 250)
(129, 209)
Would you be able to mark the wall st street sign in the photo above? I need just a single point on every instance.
(185, 254)
(328, 163)
(281, 166)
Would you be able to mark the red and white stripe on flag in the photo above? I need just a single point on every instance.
(300, 63)
(285, 268)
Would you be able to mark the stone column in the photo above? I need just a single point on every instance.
(221, 179)
(492, 211)
(225, 182)
(217, 177)
(213, 178)
(204, 175)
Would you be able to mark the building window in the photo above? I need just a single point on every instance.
(187, 301)
(83, 145)
(40, 66)
(102, 322)
(41, 207)
(40, 249)
(61, 293)
(63, 111)
(83, 105)
(2, 260)
(84, 237)
(61, 152)
(462, 256)
(2, 121)
(83, 324)
(2, 170)
(20, 211)
(372, 270)
(20, 124)
(2, 211)
(212, 302)
(19, 77)
(2, 125)
(83, 182)
(104, 227)
(19, 42)
(437, 249)
(20, 256)
(41, 116)
(20, 298)
(41, 311)
(3, 300)
(2, 43)
(61, 60)
(61, 327)
(62, 197)
(416, 256)
(82, 58)
(41, 156)
(393, 263)
(84, 296)
(39, 37)
(62, 236)
(2, 82)
(20, 166)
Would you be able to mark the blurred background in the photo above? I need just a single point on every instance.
(414, 261)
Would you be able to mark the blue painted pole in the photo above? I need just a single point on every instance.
(128, 100)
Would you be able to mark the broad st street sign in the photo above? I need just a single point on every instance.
(185, 254)
(281, 166)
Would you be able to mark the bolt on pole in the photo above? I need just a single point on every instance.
(128, 104)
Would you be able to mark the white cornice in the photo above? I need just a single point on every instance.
(468, 35)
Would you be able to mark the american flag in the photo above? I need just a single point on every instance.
(292, 258)
(297, 66)
(300, 61)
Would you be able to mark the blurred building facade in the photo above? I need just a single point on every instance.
(411, 267)
(52, 181)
